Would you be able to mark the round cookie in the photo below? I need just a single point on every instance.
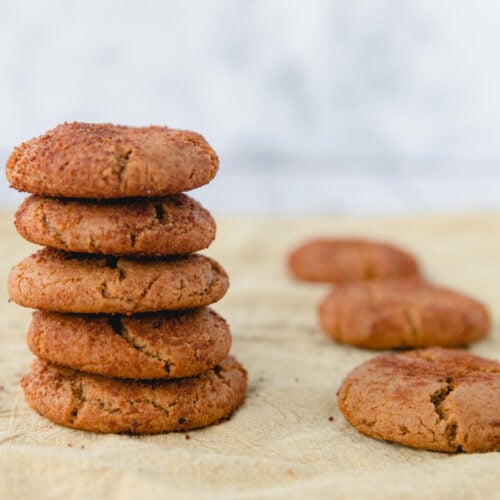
(160, 226)
(435, 399)
(101, 404)
(145, 346)
(344, 260)
(86, 160)
(402, 313)
(65, 282)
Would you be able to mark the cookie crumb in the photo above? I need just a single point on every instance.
(70, 445)
(187, 436)
(82, 447)
(331, 419)
(290, 472)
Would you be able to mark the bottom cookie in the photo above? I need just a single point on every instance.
(99, 404)
(435, 399)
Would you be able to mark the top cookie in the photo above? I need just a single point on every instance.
(84, 160)
(343, 260)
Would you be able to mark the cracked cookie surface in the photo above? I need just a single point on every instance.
(435, 399)
(101, 404)
(54, 280)
(145, 346)
(176, 224)
(86, 160)
(344, 260)
(391, 314)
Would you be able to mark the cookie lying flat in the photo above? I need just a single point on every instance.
(340, 261)
(436, 399)
(53, 280)
(402, 313)
(145, 346)
(85, 160)
(101, 404)
(160, 226)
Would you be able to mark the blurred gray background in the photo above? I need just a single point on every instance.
(313, 106)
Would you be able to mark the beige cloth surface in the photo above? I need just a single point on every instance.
(281, 443)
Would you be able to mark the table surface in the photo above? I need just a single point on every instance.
(281, 443)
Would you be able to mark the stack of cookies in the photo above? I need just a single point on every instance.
(125, 340)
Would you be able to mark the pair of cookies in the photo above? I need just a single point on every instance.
(434, 398)
(124, 335)
(379, 300)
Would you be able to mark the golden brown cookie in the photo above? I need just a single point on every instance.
(176, 224)
(101, 404)
(152, 345)
(343, 260)
(86, 160)
(436, 399)
(53, 280)
(402, 313)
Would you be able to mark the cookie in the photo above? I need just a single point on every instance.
(345, 260)
(140, 226)
(86, 160)
(402, 313)
(435, 399)
(101, 404)
(152, 345)
(53, 280)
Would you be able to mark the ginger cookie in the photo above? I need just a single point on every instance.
(54, 280)
(86, 160)
(435, 399)
(391, 314)
(168, 344)
(159, 226)
(343, 260)
(101, 404)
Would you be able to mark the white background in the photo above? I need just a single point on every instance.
(313, 106)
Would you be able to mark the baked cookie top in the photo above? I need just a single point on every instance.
(144, 346)
(343, 260)
(175, 224)
(101, 404)
(54, 280)
(436, 399)
(87, 160)
(390, 314)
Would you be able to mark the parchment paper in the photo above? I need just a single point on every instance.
(282, 442)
